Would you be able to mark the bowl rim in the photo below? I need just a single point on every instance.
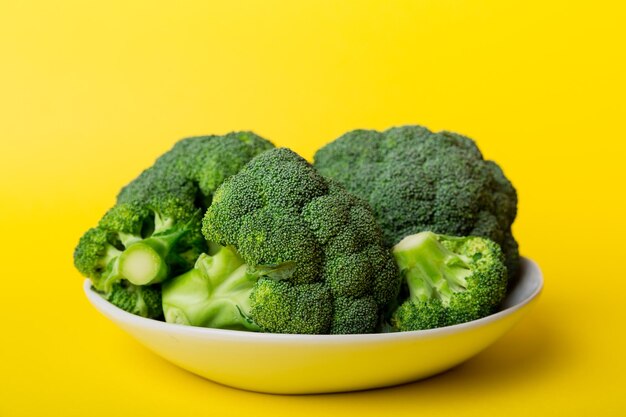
(110, 310)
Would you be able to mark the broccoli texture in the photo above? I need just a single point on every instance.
(317, 250)
(154, 230)
(417, 180)
(141, 300)
(203, 162)
(447, 280)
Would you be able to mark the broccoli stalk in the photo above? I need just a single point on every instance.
(447, 280)
(139, 244)
(430, 269)
(145, 262)
(215, 293)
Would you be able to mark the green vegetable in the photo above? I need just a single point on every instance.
(215, 293)
(447, 280)
(140, 300)
(203, 162)
(154, 230)
(141, 241)
(417, 180)
(316, 250)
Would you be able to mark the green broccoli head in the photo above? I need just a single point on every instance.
(317, 250)
(417, 180)
(154, 230)
(447, 280)
(206, 161)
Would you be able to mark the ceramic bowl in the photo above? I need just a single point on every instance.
(306, 364)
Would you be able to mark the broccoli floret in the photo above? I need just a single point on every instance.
(203, 162)
(140, 300)
(447, 280)
(209, 160)
(284, 307)
(151, 236)
(317, 250)
(154, 230)
(140, 243)
(417, 180)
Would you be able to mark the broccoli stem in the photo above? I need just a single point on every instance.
(145, 262)
(215, 293)
(141, 264)
(431, 270)
(110, 263)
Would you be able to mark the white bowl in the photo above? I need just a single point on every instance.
(306, 364)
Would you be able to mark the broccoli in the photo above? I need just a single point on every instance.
(313, 254)
(141, 240)
(215, 293)
(447, 280)
(140, 300)
(203, 161)
(154, 230)
(417, 180)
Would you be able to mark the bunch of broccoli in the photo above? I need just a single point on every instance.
(229, 232)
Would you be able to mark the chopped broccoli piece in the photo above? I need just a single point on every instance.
(417, 180)
(447, 280)
(317, 250)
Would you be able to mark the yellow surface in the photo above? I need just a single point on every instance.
(92, 92)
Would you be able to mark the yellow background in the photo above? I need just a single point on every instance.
(92, 92)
